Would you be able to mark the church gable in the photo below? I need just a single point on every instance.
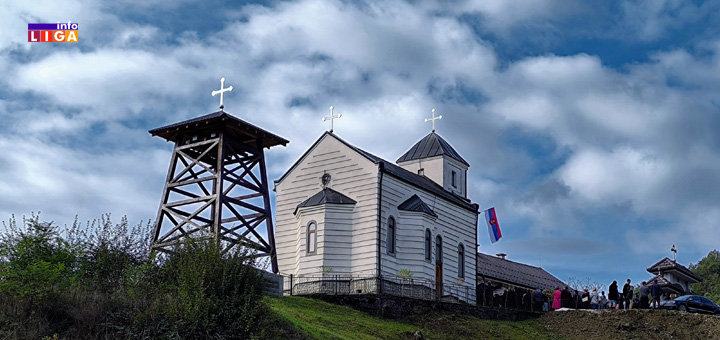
(335, 187)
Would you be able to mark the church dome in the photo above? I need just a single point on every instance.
(430, 146)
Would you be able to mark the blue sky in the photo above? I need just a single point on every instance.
(592, 127)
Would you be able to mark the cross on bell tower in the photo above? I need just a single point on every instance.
(221, 91)
(433, 119)
(216, 186)
(674, 251)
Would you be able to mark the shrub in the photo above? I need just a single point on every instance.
(99, 281)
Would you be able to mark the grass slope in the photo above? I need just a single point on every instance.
(321, 320)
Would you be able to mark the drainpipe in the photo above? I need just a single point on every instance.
(381, 169)
(477, 207)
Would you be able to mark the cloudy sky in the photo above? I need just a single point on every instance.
(592, 127)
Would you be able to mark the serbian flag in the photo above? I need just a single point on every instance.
(493, 226)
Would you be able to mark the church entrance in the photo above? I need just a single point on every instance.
(438, 279)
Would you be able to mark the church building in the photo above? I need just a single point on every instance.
(343, 213)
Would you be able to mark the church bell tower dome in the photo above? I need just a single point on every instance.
(434, 158)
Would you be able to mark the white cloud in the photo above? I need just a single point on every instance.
(62, 182)
(114, 82)
(621, 175)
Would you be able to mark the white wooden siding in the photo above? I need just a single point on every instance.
(352, 175)
(454, 224)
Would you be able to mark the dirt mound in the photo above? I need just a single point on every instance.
(632, 324)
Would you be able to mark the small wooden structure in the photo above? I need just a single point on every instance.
(217, 185)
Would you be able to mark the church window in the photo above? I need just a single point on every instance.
(453, 176)
(428, 245)
(391, 236)
(438, 249)
(311, 238)
(461, 260)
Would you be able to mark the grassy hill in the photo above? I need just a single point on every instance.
(313, 319)
(303, 318)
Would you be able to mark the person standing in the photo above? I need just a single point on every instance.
(538, 299)
(629, 298)
(594, 299)
(626, 288)
(644, 292)
(585, 299)
(566, 298)
(557, 298)
(613, 295)
(603, 300)
(655, 291)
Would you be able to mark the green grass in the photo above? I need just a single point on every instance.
(321, 320)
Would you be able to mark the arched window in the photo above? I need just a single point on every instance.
(438, 249)
(391, 236)
(428, 245)
(461, 260)
(311, 238)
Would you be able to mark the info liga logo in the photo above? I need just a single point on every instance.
(65, 32)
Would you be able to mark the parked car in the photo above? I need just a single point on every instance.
(693, 303)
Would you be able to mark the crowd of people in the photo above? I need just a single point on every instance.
(644, 296)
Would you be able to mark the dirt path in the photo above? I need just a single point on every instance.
(633, 324)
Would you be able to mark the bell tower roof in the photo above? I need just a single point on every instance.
(430, 146)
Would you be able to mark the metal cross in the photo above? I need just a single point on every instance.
(674, 251)
(222, 90)
(331, 118)
(433, 119)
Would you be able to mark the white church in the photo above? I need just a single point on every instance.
(347, 218)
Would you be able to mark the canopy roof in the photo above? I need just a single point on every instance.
(173, 131)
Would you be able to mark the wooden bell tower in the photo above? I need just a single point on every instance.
(216, 186)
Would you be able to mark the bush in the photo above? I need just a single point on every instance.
(99, 281)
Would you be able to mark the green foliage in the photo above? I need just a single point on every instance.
(709, 269)
(37, 262)
(98, 280)
(216, 293)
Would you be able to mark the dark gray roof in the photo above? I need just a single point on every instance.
(269, 139)
(430, 146)
(389, 168)
(324, 196)
(519, 274)
(667, 264)
(414, 203)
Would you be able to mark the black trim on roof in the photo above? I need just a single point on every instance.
(325, 196)
(516, 273)
(416, 204)
(430, 146)
(269, 139)
(389, 168)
